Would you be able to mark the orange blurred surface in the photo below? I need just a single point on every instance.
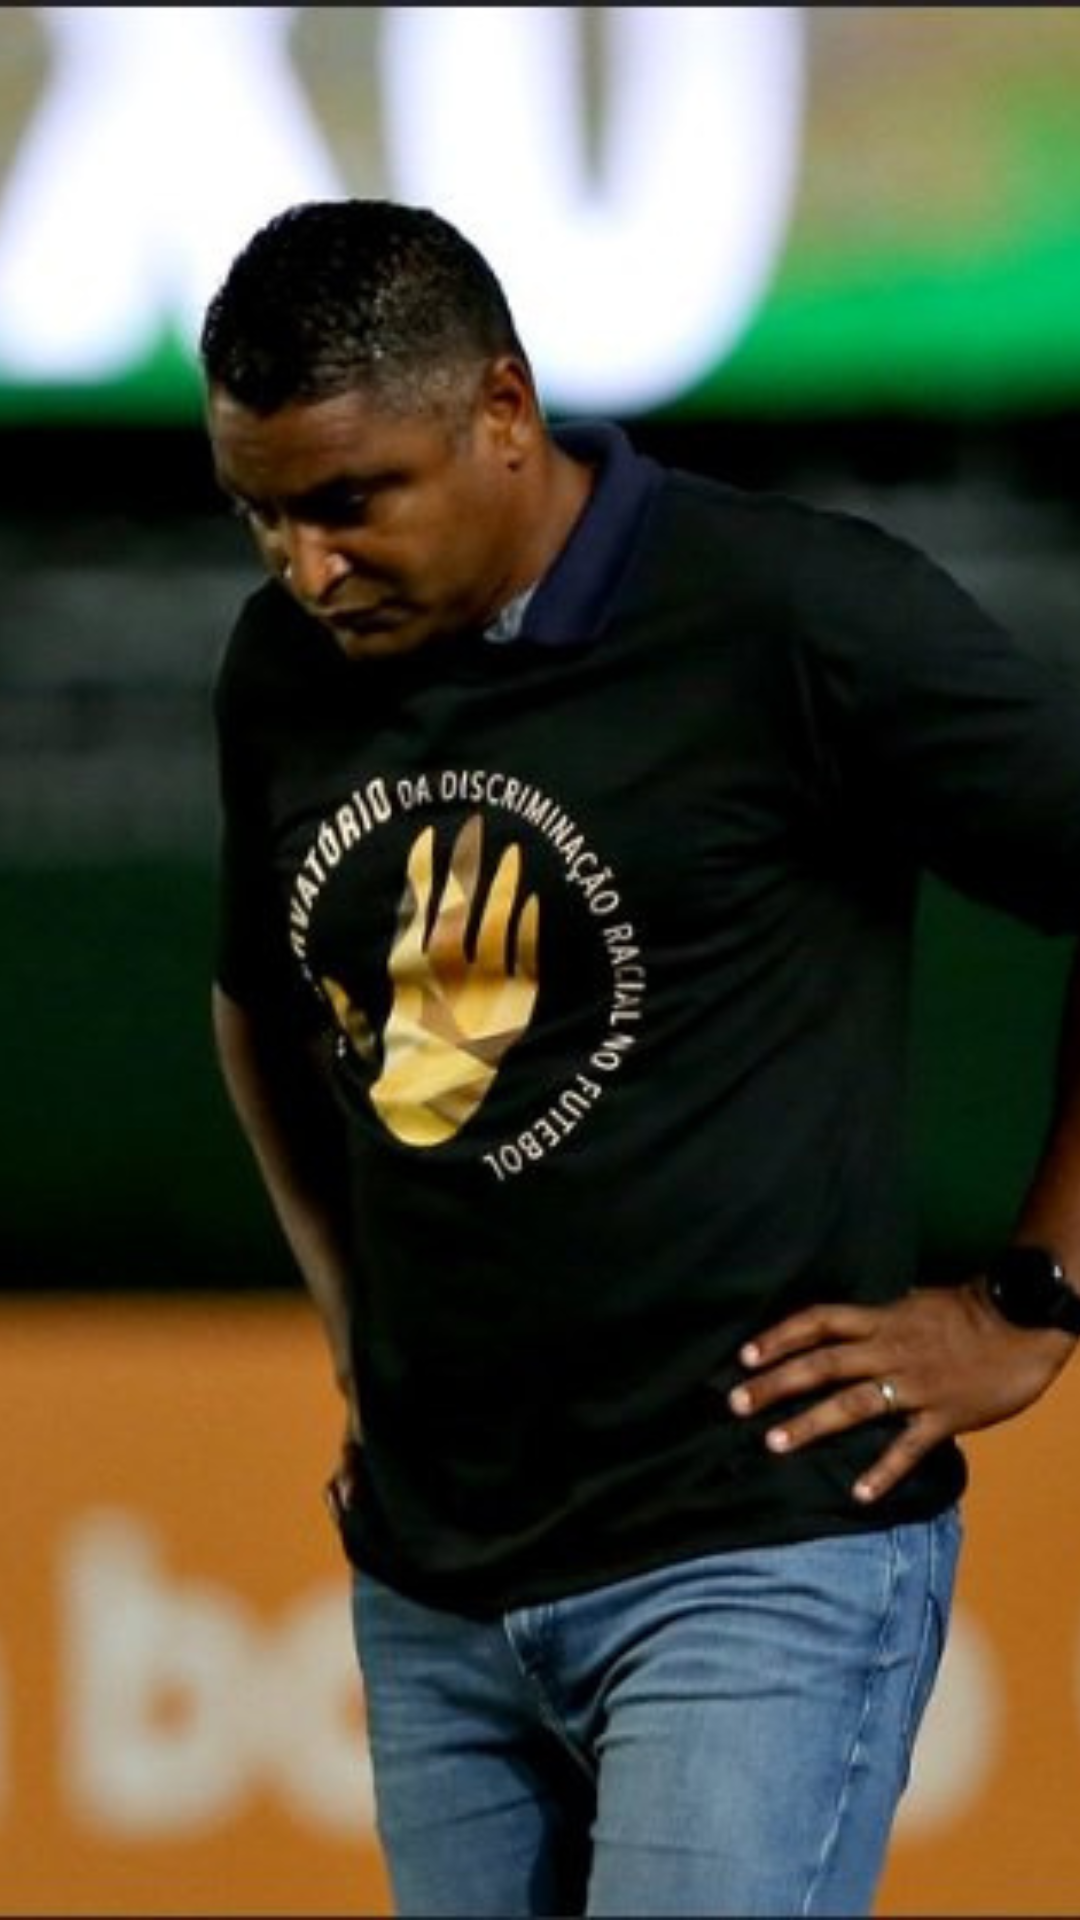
(181, 1723)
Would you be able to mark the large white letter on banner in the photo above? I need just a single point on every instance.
(630, 287)
(166, 135)
(180, 1704)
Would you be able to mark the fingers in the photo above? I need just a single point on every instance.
(915, 1438)
(491, 934)
(352, 1020)
(340, 1489)
(852, 1405)
(524, 961)
(337, 1494)
(444, 942)
(416, 895)
(824, 1348)
(933, 1363)
(841, 1355)
(463, 879)
(810, 1329)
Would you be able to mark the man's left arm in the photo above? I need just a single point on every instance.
(945, 1358)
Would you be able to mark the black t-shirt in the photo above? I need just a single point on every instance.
(613, 926)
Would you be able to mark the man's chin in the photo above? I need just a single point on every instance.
(377, 643)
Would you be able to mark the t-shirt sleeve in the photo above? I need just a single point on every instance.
(960, 739)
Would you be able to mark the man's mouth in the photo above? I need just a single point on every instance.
(361, 620)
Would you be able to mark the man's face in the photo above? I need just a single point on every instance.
(389, 529)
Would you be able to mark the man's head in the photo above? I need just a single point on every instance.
(373, 414)
(340, 296)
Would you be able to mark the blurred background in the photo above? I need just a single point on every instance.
(833, 250)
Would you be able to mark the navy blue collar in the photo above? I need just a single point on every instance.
(572, 600)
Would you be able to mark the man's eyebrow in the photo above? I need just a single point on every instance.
(326, 495)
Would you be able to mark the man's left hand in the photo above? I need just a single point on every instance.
(942, 1359)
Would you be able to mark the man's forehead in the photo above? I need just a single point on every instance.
(308, 446)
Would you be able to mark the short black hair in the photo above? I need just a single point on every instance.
(335, 295)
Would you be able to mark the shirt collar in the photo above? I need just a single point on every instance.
(570, 603)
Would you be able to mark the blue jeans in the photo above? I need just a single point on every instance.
(726, 1735)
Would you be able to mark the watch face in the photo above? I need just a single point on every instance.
(1029, 1288)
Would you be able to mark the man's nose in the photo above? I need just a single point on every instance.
(314, 564)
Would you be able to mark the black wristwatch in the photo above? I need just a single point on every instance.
(1027, 1285)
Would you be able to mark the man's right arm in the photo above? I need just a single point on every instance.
(289, 1118)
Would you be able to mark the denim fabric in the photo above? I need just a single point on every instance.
(728, 1735)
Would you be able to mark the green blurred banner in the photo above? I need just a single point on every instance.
(696, 211)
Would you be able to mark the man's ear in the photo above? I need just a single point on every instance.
(509, 408)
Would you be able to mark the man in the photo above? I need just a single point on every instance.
(574, 814)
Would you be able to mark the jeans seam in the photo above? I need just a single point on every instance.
(931, 1644)
(858, 1745)
(548, 1713)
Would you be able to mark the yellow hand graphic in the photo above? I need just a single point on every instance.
(458, 1004)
